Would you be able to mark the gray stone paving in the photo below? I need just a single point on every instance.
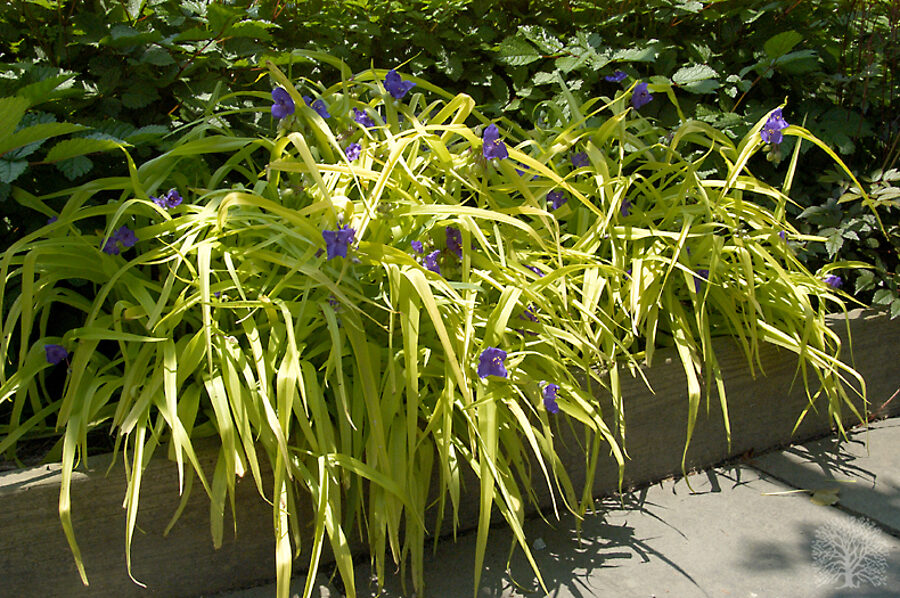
(747, 530)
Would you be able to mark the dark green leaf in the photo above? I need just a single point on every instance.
(10, 171)
(865, 281)
(883, 296)
(782, 43)
(75, 167)
(157, 56)
(78, 147)
(515, 51)
(139, 96)
(543, 39)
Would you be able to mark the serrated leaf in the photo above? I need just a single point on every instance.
(865, 281)
(782, 43)
(10, 171)
(37, 133)
(516, 51)
(134, 8)
(833, 244)
(71, 148)
(883, 296)
(221, 16)
(42, 90)
(642, 54)
(75, 167)
(707, 86)
(11, 112)
(543, 39)
(148, 133)
(544, 78)
(692, 74)
(895, 308)
(569, 63)
(799, 62)
(157, 56)
(252, 29)
(139, 98)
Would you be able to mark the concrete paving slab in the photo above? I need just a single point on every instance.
(735, 532)
(863, 474)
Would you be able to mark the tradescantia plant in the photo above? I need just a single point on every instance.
(394, 290)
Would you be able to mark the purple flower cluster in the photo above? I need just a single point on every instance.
(353, 151)
(318, 105)
(337, 241)
(123, 235)
(493, 148)
(641, 96)
(550, 398)
(431, 261)
(699, 278)
(454, 241)
(396, 86)
(283, 104)
(490, 363)
(363, 118)
(580, 160)
(168, 201)
(771, 131)
(555, 199)
(833, 281)
(55, 353)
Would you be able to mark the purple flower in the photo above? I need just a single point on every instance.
(353, 151)
(615, 77)
(493, 148)
(52, 219)
(783, 235)
(168, 201)
(417, 246)
(283, 103)
(771, 131)
(55, 353)
(580, 160)
(833, 281)
(123, 235)
(317, 105)
(699, 278)
(536, 270)
(454, 241)
(625, 209)
(528, 314)
(556, 199)
(640, 96)
(396, 85)
(431, 261)
(337, 241)
(363, 118)
(490, 363)
(550, 398)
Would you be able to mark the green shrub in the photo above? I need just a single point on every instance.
(343, 297)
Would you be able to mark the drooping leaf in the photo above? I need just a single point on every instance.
(70, 148)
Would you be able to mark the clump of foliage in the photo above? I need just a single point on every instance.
(394, 286)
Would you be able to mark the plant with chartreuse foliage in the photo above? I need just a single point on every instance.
(431, 304)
